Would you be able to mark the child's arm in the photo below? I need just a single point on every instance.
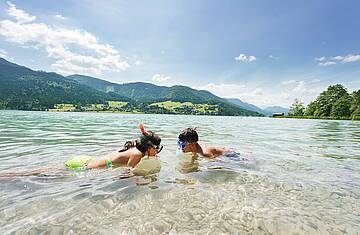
(133, 161)
(203, 151)
(217, 150)
(212, 152)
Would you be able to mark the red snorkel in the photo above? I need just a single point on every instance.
(142, 129)
(148, 138)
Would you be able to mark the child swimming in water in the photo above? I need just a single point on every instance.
(148, 144)
(189, 151)
(188, 142)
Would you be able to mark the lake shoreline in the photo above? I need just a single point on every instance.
(321, 118)
(122, 112)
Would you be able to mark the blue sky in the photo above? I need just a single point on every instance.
(263, 52)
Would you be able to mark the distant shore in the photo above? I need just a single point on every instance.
(124, 112)
(313, 117)
(78, 111)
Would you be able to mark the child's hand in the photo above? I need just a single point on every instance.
(126, 173)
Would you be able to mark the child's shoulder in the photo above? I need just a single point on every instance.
(215, 151)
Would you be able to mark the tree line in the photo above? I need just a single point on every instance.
(335, 103)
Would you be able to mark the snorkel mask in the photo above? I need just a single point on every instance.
(150, 139)
(181, 144)
(187, 136)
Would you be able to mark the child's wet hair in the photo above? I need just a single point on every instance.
(145, 141)
(189, 135)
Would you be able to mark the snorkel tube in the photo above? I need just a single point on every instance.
(150, 139)
(142, 128)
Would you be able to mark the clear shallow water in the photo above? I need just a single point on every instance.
(306, 179)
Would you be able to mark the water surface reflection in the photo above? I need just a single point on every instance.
(305, 180)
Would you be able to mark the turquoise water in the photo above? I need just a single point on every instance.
(306, 179)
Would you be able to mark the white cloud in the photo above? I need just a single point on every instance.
(273, 57)
(223, 90)
(339, 58)
(288, 82)
(3, 53)
(300, 87)
(267, 96)
(252, 58)
(258, 91)
(59, 17)
(160, 78)
(241, 57)
(20, 15)
(326, 61)
(86, 55)
(351, 58)
(321, 59)
(245, 58)
(138, 63)
(253, 95)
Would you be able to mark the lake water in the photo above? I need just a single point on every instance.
(306, 179)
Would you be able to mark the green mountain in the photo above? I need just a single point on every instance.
(149, 93)
(248, 106)
(266, 111)
(26, 89)
(277, 109)
(138, 91)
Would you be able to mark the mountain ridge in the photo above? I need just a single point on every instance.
(266, 111)
(248, 106)
(277, 109)
(126, 89)
(148, 92)
(27, 89)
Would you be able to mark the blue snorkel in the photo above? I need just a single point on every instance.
(180, 144)
(187, 136)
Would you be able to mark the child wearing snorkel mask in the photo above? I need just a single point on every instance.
(148, 144)
(187, 142)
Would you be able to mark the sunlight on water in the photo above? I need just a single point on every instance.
(301, 177)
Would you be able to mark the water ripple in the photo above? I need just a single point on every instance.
(305, 181)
